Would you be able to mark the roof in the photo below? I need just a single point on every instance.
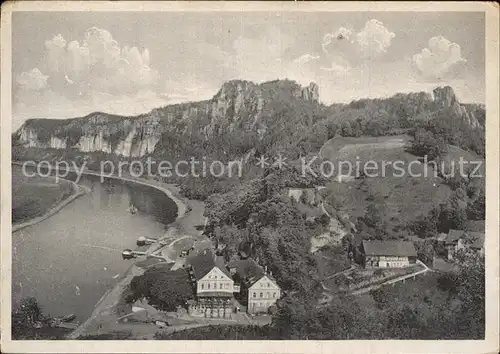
(475, 225)
(477, 238)
(202, 263)
(214, 294)
(454, 235)
(249, 271)
(219, 262)
(389, 248)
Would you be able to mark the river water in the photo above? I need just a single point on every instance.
(68, 261)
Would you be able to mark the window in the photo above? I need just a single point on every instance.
(226, 286)
(220, 287)
(202, 286)
(268, 285)
(268, 294)
(208, 286)
(254, 294)
(261, 295)
(274, 295)
(215, 286)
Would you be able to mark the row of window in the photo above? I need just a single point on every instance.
(214, 287)
(268, 295)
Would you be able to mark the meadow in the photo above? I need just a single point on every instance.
(34, 196)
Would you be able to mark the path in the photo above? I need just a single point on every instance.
(392, 281)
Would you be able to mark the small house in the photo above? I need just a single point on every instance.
(388, 254)
(258, 288)
(460, 239)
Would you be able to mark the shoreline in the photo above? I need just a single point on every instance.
(113, 295)
(178, 200)
(78, 191)
(184, 223)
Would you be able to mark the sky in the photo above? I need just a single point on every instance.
(69, 64)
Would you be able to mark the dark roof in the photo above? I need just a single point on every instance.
(249, 271)
(389, 248)
(475, 225)
(214, 294)
(202, 263)
(476, 239)
(454, 236)
(219, 262)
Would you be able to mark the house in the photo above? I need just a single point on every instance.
(213, 285)
(457, 240)
(388, 254)
(258, 288)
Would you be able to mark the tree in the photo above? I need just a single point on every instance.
(426, 143)
(30, 311)
(373, 215)
(162, 288)
(346, 129)
(476, 210)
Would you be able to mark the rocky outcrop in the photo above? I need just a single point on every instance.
(239, 110)
(237, 105)
(310, 93)
(444, 97)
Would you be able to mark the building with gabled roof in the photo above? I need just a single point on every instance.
(258, 288)
(388, 254)
(461, 239)
(213, 283)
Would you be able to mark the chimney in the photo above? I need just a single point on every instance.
(271, 273)
(265, 269)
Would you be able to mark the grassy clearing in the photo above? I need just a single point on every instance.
(34, 196)
(400, 196)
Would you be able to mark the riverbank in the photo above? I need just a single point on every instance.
(190, 214)
(169, 189)
(77, 192)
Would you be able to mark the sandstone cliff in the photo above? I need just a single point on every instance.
(241, 110)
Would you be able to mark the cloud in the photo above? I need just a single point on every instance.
(342, 35)
(441, 61)
(306, 58)
(345, 45)
(374, 39)
(32, 80)
(97, 63)
(86, 74)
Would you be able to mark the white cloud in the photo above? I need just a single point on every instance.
(306, 58)
(32, 80)
(441, 61)
(97, 64)
(342, 35)
(345, 45)
(374, 39)
(95, 73)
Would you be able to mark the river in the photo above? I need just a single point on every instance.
(68, 261)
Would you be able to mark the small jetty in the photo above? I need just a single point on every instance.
(129, 254)
(64, 322)
(142, 241)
